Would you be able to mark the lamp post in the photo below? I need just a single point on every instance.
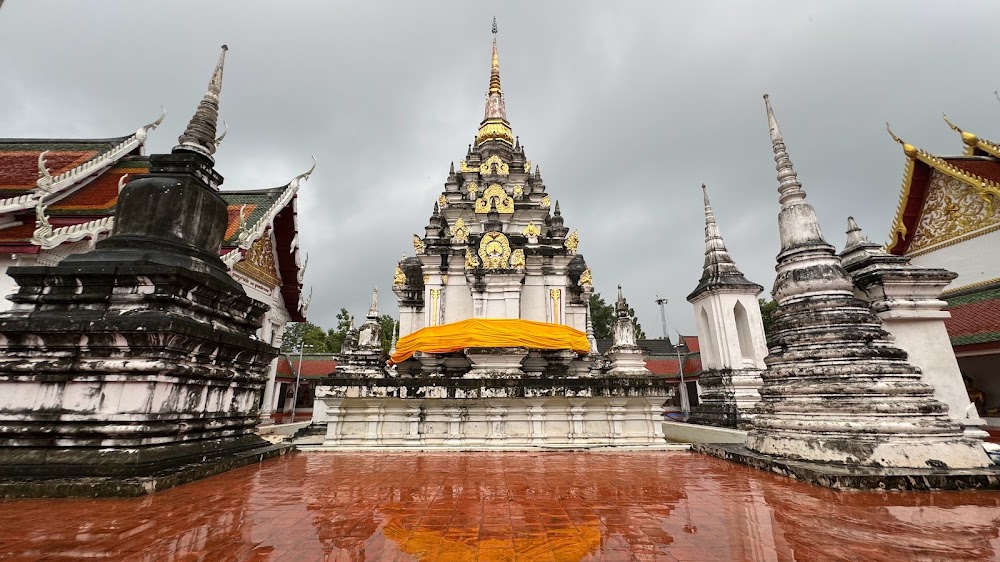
(663, 315)
(298, 375)
(685, 401)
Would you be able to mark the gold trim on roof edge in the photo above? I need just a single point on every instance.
(983, 186)
(973, 141)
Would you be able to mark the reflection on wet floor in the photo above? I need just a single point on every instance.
(505, 506)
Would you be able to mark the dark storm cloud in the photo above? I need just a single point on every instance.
(627, 107)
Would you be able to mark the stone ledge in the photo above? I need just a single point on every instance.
(137, 486)
(597, 448)
(842, 477)
(686, 432)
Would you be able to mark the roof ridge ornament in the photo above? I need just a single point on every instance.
(250, 235)
(200, 134)
(225, 131)
(45, 179)
(142, 132)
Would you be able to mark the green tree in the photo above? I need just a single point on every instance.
(602, 316)
(298, 332)
(767, 308)
(388, 324)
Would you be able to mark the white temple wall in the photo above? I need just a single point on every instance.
(973, 260)
(719, 331)
(459, 299)
(926, 342)
(533, 296)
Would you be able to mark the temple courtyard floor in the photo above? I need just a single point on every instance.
(559, 506)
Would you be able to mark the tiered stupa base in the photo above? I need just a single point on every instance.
(477, 414)
(727, 399)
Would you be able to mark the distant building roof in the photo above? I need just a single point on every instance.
(314, 365)
(975, 318)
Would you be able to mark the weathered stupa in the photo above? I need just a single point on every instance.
(836, 390)
(731, 333)
(492, 349)
(134, 367)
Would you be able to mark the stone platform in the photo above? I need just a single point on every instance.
(138, 485)
(844, 477)
(440, 413)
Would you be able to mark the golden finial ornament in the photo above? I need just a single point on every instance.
(586, 279)
(442, 201)
(908, 148)
(531, 231)
(398, 278)
(572, 241)
(517, 259)
(471, 262)
(545, 202)
(418, 245)
(460, 232)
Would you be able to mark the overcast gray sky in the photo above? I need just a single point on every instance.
(627, 106)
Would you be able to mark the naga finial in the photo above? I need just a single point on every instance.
(45, 179)
(225, 131)
(143, 131)
(294, 184)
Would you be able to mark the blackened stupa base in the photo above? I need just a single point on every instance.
(124, 378)
(857, 477)
(255, 450)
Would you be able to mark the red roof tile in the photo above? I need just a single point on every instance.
(101, 195)
(311, 366)
(19, 158)
(975, 316)
(692, 343)
(668, 367)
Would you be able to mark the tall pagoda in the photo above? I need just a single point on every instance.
(493, 350)
(495, 245)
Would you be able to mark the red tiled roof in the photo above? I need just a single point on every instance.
(19, 158)
(975, 317)
(19, 233)
(692, 343)
(668, 367)
(101, 195)
(311, 366)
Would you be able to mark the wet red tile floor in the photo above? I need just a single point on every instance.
(504, 506)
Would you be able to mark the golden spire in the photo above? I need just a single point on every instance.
(494, 125)
(495, 68)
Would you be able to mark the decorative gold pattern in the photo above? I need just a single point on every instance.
(986, 189)
(517, 259)
(554, 296)
(952, 209)
(465, 167)
(545, 203)
(398, 278)
(494, 196)
(486, 167)
(471, 262)
(442, 201)
(518, 190)
(418, 245)
(444, 279)
(460, 232)
(572, 241)
(587, 279)
(472, 189)
(531, 231)
(258, 263)
(527, 167)
(435, 306)
(426, 278)
(494, 128)
(494, 250)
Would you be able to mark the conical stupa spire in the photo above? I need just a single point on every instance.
(720, 270)
(494, 125)
(591, 339)
(718, 262)
(199, 136)
(373, 309)
(797, 223)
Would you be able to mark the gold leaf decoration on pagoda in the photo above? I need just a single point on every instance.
(464, 167)
(471, 262)
(586, 279)
(518, 190)
(572, 242)
(517, 259)
(486, 167)
(442, 201)
(472, 189)
(258, 262)
(545, 202)
(527, 167)
(953, 209)
(418, 245)
(494, 250)
(460, 232)
(495, 197)
(531, 231)
(398, 278)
